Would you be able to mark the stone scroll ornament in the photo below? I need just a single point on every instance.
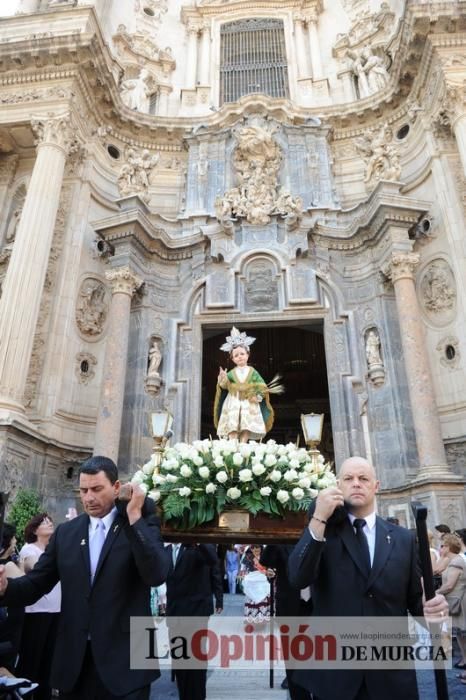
(92, 307)
(257, 197)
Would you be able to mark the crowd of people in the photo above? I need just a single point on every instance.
(71, 592)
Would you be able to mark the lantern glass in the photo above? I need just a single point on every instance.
(312, 424)
(161, 423)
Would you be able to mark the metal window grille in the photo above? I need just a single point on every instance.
(253, 59)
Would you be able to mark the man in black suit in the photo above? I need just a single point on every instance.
(192, 582)
(351, 576)
(106, 560)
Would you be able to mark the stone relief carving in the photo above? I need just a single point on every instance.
(256, 159)
(141, 43)
(92, 307)
(153, 379)
(375, 365)
(135, 93)
(135, 173)
(365, 25)
(437, 287)
(370, 71)
(380, 155)
(85, 363)
(261, 287)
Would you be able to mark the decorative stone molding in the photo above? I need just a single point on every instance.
(401, 266)
(92, 307)
(135, 174)
(123, 281)
(366, 27)
(131, 48)
(84, 370)
(54, 131)
(449, 350)
(380, 154)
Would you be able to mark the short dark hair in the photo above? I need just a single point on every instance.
(461, 533)
(9, 531)
(443, 528)
(97, 464)
(31, 527)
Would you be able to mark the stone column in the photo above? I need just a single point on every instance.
(204, 69)
(301, 53)
(162, 103)
(107, 432)
(433, 463)
(314, 47)
(24, 281)
(191, 58)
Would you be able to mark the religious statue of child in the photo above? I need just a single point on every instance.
(242, 407)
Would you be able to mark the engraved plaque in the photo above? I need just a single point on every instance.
(234, 520)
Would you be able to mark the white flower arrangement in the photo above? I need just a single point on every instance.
(195, 482)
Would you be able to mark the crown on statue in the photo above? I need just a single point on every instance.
(236, 340)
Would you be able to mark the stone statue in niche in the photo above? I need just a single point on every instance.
(135, 173)
(374, 358)
(370, 71)
(256, 159)
(380, 154)
(437, 287)
(135, 93)
(92, 307)
(153, 380)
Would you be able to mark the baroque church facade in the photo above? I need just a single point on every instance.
(170, 168)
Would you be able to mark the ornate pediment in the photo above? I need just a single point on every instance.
(373, 28)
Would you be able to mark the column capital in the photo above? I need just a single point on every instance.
(123, 281)
(401, 265)
(299, 18)
(454, 100)
(53, 130)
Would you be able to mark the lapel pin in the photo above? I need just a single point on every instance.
(115, 528)
(83, 542)
(389, 539)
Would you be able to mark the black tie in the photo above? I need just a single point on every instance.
(358, 524)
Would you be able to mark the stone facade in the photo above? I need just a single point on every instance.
(139, 212)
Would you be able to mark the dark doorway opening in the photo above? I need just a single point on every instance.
(297, 353)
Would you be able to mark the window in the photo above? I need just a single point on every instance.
(153, 103)
(253, 59)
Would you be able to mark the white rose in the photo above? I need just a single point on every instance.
(282, 450)
(204, 472)
(148, 468)
(283, 496)
(305, 482)
(158, 479)
(233, 493)
(198, 461)
(154, 494)
(297, 493)
(271, 448)
(184, 491)
(258, 469)
(245, 450)
(265, 491)
(144, 487)
(211, 488)
(275, 475)
(172, 478)
(138, 477)
(237, 459)
(185, 470)
(290, 475)
(270, 460)
(245, 475)
(222, 477)
(218, 461)
(294, 464)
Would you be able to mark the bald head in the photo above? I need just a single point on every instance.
(358, 482)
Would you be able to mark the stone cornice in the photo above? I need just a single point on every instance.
(246, 8)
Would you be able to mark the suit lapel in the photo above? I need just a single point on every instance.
(115, 530)
(384, 543)
(352, 545)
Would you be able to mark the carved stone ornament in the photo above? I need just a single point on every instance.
(153, 379)
(135, 92)
(54, 131)
(123, 281)
(135, 174)
(256, 159)
(261, 288)
(449, 350)
(401, 266)
(366, 26)
(369, 69)
(376, 370)
(85, 363)
(437, 287)
(380, 154)
(92, 307)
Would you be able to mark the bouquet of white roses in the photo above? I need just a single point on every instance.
(196, 481)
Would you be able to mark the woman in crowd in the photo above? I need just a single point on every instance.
(11, 618)
(41, 619)
(231, 567)
(256, 608)
(453, 588)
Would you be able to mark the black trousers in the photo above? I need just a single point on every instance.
(90, 687)
(36, 651)
(191, 683)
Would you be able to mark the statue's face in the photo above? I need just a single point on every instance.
(240, 356)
